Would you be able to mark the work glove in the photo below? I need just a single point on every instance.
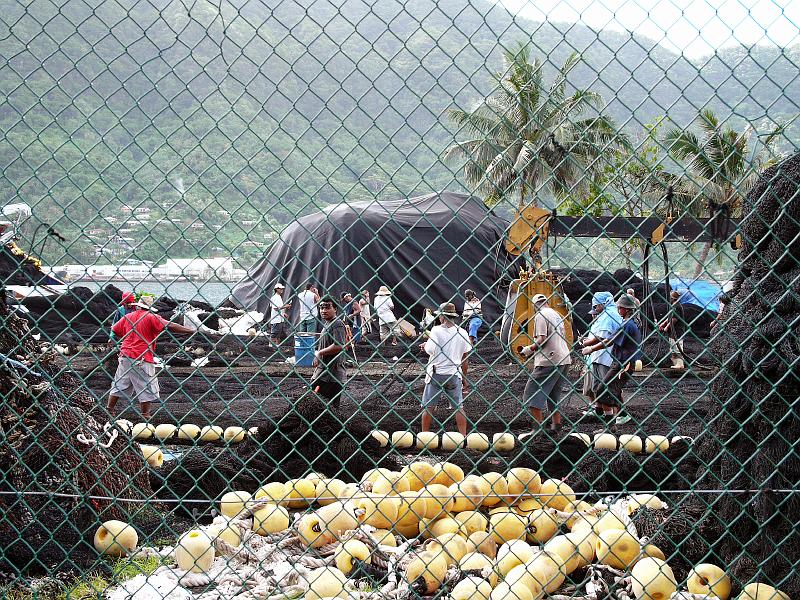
(527, 351)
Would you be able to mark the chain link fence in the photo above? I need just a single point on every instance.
(394, 300)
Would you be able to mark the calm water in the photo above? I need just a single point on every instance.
(211, 292)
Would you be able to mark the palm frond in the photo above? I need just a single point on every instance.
(473, 122)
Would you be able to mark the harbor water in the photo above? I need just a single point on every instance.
(213, 292)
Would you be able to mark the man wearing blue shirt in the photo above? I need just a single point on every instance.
(604, 325)
(624, 345)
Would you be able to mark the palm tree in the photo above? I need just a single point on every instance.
(529, 140)
(719, 166)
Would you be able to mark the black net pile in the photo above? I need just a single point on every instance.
(42, 413)
(751, 438)
(310, 437)
(18, 269)
(679, 534)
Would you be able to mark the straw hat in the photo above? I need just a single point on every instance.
(447, 309)
(383, 291)
(145, 303)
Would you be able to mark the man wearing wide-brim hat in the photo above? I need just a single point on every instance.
(448, 347)
(136, 373)
(384, 309)
(624, 344)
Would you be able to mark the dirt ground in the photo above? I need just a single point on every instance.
(385, 393)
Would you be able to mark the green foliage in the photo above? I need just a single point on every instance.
(533, 141)
(194, 118)
(721, 164)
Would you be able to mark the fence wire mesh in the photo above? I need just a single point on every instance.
(470, 300)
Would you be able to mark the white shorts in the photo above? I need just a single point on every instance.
(135, 380)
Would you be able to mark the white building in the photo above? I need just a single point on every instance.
(199, 268)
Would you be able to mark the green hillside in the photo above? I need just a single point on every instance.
(245, 118)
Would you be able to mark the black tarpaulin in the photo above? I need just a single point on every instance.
(427, 250)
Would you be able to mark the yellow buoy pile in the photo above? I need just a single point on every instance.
(487, 536)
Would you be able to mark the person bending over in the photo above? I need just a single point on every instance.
(624, 346)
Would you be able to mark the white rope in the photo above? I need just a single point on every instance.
(92, 441)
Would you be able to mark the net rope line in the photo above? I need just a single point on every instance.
(266, 500)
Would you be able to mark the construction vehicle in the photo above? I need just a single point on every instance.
(531, 228)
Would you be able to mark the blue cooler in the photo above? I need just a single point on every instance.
(304, 349)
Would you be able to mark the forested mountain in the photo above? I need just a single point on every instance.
(266, 110)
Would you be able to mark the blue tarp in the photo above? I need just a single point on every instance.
(704, 294)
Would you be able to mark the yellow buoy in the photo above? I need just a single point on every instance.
(188, 431)
(427, 440)
(115, 538)
(447, 474)
(652, 579)
(425, 574)
(382, 437)
(275, 491)
(153, 455)
(194, 551)
(617, 548)
(478, 441)
(300, 492)
(523, 482)
(326, 582)
(503, 442)
(452, 440)
(234, 435)
(656, 443)
(142, 431)
(511, 554)
(211, 433)
(605, 441)
(232, 504)
(556, 494)
(270, 518)
(402, 439)
(165, 431)
(631, 443)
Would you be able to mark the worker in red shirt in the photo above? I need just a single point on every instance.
(136, 372)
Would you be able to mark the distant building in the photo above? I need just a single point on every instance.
(199, 268)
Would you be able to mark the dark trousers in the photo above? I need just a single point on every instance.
(330, 390)
(609, 391)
